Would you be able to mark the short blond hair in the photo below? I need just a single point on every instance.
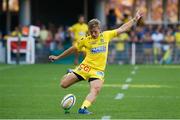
(94, 23)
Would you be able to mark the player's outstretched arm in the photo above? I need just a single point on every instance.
(69, 30)
(64, 54)
(130, 23)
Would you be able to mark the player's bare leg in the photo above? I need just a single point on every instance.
(76, 58)
(95, 87)
(68, 80)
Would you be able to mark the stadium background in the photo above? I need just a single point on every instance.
(161, 15)
(32, 91)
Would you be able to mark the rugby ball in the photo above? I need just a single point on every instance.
(68, 101)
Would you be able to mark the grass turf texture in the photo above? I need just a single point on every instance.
(32, 91)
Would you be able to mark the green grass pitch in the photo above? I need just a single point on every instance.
(32, 91)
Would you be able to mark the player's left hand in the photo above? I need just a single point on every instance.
(139, 14)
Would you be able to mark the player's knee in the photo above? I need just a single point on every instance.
(63, 84)
(97, 89)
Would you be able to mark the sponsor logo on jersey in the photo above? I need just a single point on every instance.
(82, 33)
(100, 73)
(98, 49)
(102, 40)
(84, 67)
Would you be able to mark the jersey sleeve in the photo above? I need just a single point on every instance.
(110, 34)
(72, 28)
(86, 28)
(80, 44)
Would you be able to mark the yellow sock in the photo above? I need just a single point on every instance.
(86, 104)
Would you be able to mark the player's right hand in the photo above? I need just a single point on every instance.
(52, 58)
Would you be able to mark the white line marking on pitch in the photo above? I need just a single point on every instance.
(133, 72)
(163, 97)
(7, 67)
(125, 87)
(119, 96)
(128, 80)
(106, 118)
(136, 67)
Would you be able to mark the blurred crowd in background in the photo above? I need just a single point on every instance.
(159, 44)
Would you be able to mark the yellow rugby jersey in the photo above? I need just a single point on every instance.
(79, 30)
(96, 49)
